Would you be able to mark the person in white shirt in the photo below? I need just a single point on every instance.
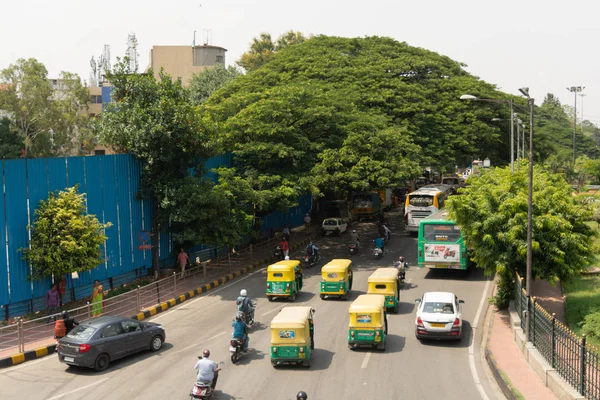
(208, 371)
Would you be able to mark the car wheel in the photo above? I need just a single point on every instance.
(102, 362)
(337, 232)
(156, 343)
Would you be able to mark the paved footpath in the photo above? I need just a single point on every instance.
(508, 359)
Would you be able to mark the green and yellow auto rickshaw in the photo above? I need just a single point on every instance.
(284, 279)
(336, 278)
(385, 281)
(292, 336)
(368, 322)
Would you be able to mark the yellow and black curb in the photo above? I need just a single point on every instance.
(148, 313)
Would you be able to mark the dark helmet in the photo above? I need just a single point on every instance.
(65, 314)
(301, 395)
(206, 353)
(401, 258)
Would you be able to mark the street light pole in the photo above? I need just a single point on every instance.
(525, 92)
(518, 146)
(575, 90)
(512, 137)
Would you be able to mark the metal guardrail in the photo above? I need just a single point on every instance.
(573, 359)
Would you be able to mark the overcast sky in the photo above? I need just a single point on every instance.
(547, 45)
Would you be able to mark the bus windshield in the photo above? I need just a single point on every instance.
(421, 200)
(441, 233)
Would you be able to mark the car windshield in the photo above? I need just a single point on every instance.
(331, 222)
(83, 332)
(438, 308)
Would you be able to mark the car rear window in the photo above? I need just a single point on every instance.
(438, 308)
(83, 332)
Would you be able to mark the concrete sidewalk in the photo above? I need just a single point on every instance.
(517, 366)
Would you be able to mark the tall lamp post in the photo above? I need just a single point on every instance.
(525, 92)
(512, 123)
(575, 90)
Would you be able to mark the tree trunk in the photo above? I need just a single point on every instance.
(155, 239)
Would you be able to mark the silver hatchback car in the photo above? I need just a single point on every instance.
(439, 316)
(97, 342)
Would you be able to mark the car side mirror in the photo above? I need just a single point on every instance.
(417, 300)
(461, 301)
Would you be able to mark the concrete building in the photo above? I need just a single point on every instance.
(185, 61)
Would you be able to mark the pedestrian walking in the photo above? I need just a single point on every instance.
(307, 223)
(52, 302)
(285, 247)
(183, 259)
(97, 299)
(286, 232)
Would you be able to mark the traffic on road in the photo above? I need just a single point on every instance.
(352, 335)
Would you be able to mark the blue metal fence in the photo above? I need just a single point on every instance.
(110, 184)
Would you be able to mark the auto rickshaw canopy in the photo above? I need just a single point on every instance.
(336, 269)
(282, 271)
(291, 325)
(367, 311)
(384, 275)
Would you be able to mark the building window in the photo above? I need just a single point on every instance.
(95, 99)
(220, 59)
(99, 152)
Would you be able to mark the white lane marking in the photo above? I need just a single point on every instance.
(471, 347)
(78, 389)
(202, 296)
(273, 310)
(197, 344)
(366, 360)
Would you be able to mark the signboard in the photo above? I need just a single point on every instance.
(144, 247)
(287, 334)
(442, 252)
(363, 318)
(143, 236)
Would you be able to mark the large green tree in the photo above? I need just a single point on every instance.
(156, 122)
(263, 48)
(205, 83)
(492, 214)
(11, 144)
(48, 118)
(64, 239)
(364, 111)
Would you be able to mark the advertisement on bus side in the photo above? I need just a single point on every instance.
(442, 252)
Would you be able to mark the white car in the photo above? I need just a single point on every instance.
(439, 316)
(334, 226)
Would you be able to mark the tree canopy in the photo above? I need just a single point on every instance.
(350, 114)
(48, 118)
(11, 144)
(205, 83)
(263, 48)
(64, 238)
(492, 214)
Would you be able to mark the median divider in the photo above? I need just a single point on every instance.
(149, 312)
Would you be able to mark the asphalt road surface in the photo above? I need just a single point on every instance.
(408, 369)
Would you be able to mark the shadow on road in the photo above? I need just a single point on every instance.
(320, 360)
(251, 355)
(464, 342)
(218, 394)
(405, 307)
(120, 363)
(471, 274)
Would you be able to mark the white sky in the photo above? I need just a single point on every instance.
(547, 45)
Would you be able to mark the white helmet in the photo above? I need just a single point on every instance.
(353, 230)
(243, 293)
(287, 258)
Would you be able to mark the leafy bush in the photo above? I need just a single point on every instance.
(505, 288)
(591, 324)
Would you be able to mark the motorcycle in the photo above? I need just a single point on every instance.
(310, 260)
(377, 252)
(246, 316)
(236, 348)
(204, 390)
(278, 253)
(449, 253)
(353, 248)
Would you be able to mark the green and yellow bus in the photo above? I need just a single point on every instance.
(441, 245)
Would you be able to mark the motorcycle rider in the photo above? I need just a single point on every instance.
(301, 395)
(285, 247)
(312, 249)
(379, 242)
(402, 266)
(70, 322)
(244, 304)
(354, 238)
(208, 371)
(240, 331)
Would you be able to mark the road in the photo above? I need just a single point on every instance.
(407, 369)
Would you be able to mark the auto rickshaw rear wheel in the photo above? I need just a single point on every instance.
(292, 297)
(271, 298)
(322, 297)
(381, 346)
(274, 364)
(306, 363)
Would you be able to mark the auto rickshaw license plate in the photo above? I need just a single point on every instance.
(438, 325)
